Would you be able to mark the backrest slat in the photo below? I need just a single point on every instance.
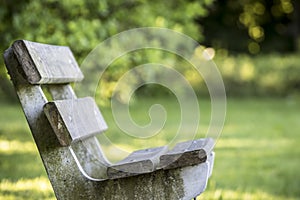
(46, 64)
(74, 119)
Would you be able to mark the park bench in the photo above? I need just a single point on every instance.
(65, 129)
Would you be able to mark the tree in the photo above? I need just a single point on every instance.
(253, 25)
(83, 24)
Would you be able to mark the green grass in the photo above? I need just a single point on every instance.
(22, 175)
(257, 155)
(258, 152)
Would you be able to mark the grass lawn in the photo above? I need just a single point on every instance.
(257, 155)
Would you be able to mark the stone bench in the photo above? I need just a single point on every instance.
(65, 130)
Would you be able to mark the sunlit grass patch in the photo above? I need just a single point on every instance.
(37, 188)
(41, 184)
(16, 146)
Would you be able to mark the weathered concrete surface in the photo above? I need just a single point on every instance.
(74, 119)
(44, 63)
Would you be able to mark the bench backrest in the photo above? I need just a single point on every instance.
(36, 67)
(56, 67)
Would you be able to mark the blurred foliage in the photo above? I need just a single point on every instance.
(152, 59)
(239, 26)
(264, 75)
(253, 26)
(83, 24)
